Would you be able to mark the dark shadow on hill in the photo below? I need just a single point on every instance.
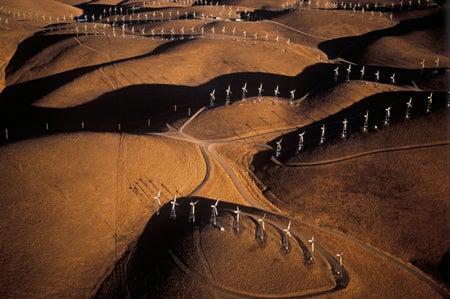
(351, 48)
(146, 270)
(132, 106)
(376, 106)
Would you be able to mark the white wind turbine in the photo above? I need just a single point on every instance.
(344, 128)
(366, 122)
(212, 98)
(300, 141)
(228, 95)
(336, 73)
(261, 228)
(362, 71)
(339, 255)
(393, 79)
(287, 234)
(322, 134)
(291, 99)
(349, 70)
(236, 222)
(430, 102)
(174, 203)
(278, 149)
(260, 90)
(276, 92)
(192, 212)
(408, 109)
(388, 116)
(312, 240)
(377, 76)
(244, 91)
(158, 201)
(214, 213)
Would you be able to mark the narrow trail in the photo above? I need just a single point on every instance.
(367, 153)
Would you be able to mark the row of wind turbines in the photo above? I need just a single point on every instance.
(228, 93)
(365, 128)
(260, 228)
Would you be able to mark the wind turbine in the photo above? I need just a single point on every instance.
(339, 255)
(362, 71)
(393, 79)
(236, 222)
(300, 141)
(322, 134)
(291, 99)
(158, 201)
(388, 116)
(366, 122)
(192, 212)
(276, 92)
(260, 90)
(174, 203)
(430, 102)
(214, 213)
(212, 98)
(349, 70)
(344, 128)
(312, 240)
(278, 150)
(336, 73)
(287, 234)
(228, 96)
(244, 91)
(377, 76)
(408, 109)
(422, 64)
(261, 228)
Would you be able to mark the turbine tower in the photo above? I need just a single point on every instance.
(192, 212)
(244, 91)
(278, 150)
(349, 70)
(286, 235)
(236, 221)
(408, 109)
(212, 98)
(260, 90)
(362, 71)
(377, 76)
(173, 214)
(228, 96)
(344, 128)
(158, 201)
(322, 134)
(312, 240)
(430, 102)
(366, 122)
(300, 141)
(339, 255)
(336, 73)
(291, 99)
(387, 117)
(276, 92)
(260, 228)
(214, 213)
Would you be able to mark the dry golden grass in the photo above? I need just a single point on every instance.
(66, 211)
